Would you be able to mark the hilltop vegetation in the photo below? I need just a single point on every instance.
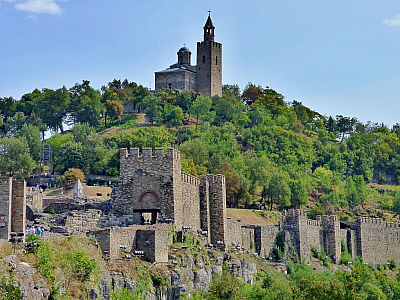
(281, 154)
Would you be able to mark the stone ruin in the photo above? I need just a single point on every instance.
(12, 207)
(154, 199)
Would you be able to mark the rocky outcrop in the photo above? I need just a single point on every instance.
(194, 272)
(32, 286)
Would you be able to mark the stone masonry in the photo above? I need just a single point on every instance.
(155, 185)
(12, 206)
(205, 77)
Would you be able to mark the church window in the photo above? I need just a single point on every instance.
(216, 60)
(204, 59)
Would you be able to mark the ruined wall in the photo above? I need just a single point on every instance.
(204, 191)
(217, 207)
(119, 241)
(266, 239)
(301, 233)
(18, 206)
(377, 241)
(352, 242)
(35, 200)
(12, 206)
(331, 236)
(190, 195)
(154, 243)
(234, 235)
(257, 239)
(82, 221)
(5, 206)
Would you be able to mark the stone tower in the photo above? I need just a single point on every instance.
(209, 63)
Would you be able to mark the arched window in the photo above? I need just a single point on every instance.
(204, 59)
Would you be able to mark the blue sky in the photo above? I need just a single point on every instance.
(337, 57)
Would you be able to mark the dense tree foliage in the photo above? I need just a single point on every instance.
(281, 154)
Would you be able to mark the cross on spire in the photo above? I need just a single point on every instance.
(209, 12)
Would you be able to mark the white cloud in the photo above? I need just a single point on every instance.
(393, 22)
(39, 7)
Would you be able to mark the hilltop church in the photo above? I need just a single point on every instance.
(205, 77)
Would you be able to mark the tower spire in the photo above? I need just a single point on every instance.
(209, 29)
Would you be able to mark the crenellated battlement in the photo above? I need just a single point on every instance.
(146, 153)
(296, 213)
(375, 222)
(330, 218)
(214, 179)
(189, 179)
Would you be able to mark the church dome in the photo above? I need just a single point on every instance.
(184, 50)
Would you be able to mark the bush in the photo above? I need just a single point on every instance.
(126, 294)
(79, 266)
(9, 289)
(345, 258)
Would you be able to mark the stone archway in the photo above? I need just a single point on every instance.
(151, 193)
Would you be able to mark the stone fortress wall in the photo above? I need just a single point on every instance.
(154, 185)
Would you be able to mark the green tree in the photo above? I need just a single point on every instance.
(396, 204)
(85, 105)
(113, 110)
(298, 192)
(15, 157)
(56, 142)
(53, 108)
(227, 109)
(153, 108)
(31, 134)
(251, 93)
(200, 108)
(225, 287)
(72, 156)
(278, 190)
(232, 180)
(231, 91)
(173, 115)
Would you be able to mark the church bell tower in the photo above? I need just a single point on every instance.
(209, 63)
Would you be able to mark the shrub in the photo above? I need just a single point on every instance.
(45, 263)
(79, 266)
(345, 258)
(9, 289)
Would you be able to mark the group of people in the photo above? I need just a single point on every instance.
(36, 230)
